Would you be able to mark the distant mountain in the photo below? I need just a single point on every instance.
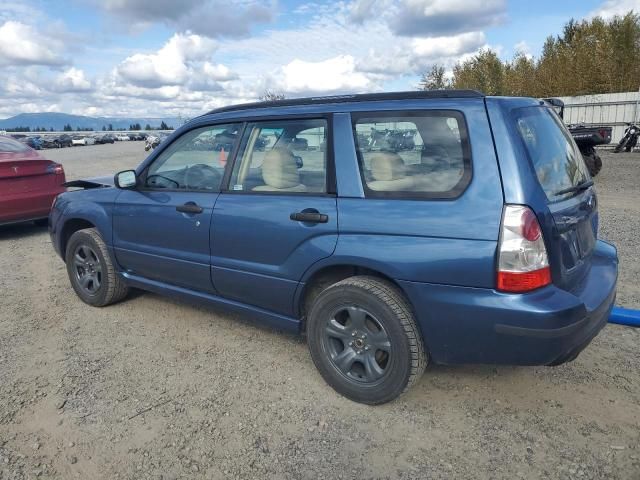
(57, 121)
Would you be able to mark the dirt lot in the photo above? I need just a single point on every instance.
(152, 388)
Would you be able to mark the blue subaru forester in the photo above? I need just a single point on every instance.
(391, 229)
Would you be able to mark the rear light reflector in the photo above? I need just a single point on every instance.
(523, 264)
(55, 168)
(525, 281)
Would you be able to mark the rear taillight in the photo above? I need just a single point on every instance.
(522, 257)
(55, 168)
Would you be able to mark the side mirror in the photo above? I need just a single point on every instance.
(126, 179)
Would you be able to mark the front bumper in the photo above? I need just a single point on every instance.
(544, 327)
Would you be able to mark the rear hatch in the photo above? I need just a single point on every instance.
(571, 198)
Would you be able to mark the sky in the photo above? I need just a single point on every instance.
(168, 58)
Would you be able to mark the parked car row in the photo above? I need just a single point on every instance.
(38, 142)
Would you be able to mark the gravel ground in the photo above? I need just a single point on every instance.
(152, 388)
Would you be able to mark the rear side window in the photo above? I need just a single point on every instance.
(9, 145)
(422, 154)
(553, 153)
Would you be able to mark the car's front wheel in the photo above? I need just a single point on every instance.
(91, 270)
(364, 340)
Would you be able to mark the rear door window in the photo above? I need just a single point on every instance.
(553, 153)
(423, 154)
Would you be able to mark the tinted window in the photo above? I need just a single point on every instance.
(9, 145)
(282, 156)
(195, 161)
(556, 159)
(423, 154)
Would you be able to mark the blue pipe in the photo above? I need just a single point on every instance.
(625, 316)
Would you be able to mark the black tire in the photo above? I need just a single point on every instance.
(621, 144)
(41, 222)
(381, 317)
(593, 162)
(87, 256)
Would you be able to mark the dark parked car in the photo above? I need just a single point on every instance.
(477, 246)
(64, 140)
(50, 142)
(106, 138)
(28, 183)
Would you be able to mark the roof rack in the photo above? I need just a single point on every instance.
(363, 97)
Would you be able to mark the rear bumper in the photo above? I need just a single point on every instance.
(544, 327)
(27, 206)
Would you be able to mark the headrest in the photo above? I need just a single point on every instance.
(387, 166)
(279, 169)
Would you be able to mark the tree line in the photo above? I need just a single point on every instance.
(589, 57)
(105, 128)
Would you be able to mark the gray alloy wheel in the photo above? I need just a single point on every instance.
(364, 340)
(357, 344)
(91, 270)
(87, 269)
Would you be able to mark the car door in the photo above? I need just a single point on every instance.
(278, 214)
(161, 228)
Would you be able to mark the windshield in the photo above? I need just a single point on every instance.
(553, 153)
(9, 145)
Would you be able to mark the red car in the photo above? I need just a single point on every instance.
(28, 182)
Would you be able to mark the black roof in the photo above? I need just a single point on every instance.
(365, 97)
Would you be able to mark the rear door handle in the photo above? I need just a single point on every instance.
(309, 217)
(189, 207)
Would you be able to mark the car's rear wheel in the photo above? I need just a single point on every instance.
(91, 270)
(364, 340)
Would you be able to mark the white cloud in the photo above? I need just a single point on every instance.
(443, 47)
(611, 8)
(211, 18)
(72, 80)
(431, 18)
(171, 65)
(334, 75)
(20, 44)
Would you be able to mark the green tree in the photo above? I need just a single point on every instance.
(588, 57)
(484, 72)
(270, 96)
(435, 80)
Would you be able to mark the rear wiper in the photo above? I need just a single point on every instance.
(576, 188)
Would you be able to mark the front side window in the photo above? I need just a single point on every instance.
(282, 157)
(415, 154)
(195, 161)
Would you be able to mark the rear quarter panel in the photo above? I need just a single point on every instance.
(434, 241)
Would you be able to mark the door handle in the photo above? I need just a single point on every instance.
(309, 217)
(189, 207)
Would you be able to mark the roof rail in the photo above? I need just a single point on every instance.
(363, 97)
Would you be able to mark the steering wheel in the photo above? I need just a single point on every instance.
(202, 176)
(169, 180)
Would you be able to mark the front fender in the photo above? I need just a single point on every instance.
(84, 207)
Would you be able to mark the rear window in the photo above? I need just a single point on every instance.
(422, 154)
(9, 145)
(555, 157)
